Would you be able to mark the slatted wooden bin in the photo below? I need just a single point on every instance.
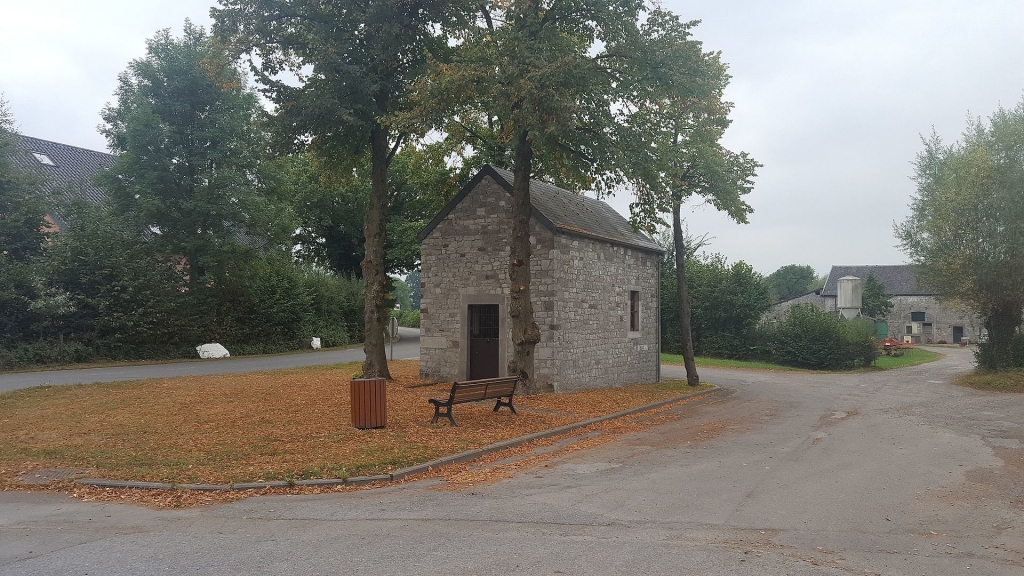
(369, 402)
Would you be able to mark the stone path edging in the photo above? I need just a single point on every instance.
(397, 475)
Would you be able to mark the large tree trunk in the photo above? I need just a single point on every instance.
(682, 292)
(375, 279)
(525, 333)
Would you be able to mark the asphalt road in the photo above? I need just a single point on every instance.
(886, 473)
(408, 346)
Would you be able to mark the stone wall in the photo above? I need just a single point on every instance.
(596, 346)
(941, 317)
(580, 291)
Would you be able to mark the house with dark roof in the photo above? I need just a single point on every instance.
(68, 173)
(917, 314)
(594, 289)
(65, 171)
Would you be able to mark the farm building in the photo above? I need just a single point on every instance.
(917, 313)
(594, 289)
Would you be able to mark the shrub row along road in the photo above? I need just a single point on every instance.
(879, 473)
(408, 346)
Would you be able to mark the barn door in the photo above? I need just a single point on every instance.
(958, 334)
(483, 341)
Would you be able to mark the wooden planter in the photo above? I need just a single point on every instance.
(369, 402)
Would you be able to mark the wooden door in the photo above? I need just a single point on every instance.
(958, 334)
(484, 355)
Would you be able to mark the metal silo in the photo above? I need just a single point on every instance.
(850, 292)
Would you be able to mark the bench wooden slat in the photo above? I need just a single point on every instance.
(463, 395)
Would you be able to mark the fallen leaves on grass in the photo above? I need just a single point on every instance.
(1010, 381)
(283, 425)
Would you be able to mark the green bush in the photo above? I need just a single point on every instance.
(992, 357)
(106, 291)
(727, 302)
(273, 304)
(336, 307)
(861, 338)
(407, 318)
(43, 353)
(809, 337)
(18, 289)
(261, 303)
(125, 302)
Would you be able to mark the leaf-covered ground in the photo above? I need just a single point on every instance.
(1012, 381)
(291, 424)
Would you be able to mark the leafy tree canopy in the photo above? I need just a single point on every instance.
(21, 240)
(354, 63)
(401, 293)
(792, 280)
(588, 94)
(191, 167)
(21, 208)
(966, 229)
(414, 279)
(875, 303)
(331, 205)
(728, 303)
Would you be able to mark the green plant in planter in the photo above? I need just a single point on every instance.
(357, 375)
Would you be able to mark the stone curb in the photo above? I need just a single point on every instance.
(402, 473)
(514, 442)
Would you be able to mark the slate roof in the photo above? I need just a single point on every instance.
(899, 279)
(561, 211)
(72, 171)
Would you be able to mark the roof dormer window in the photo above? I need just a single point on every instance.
(43, 158)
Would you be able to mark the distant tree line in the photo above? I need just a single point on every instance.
(729, 302)
(209, 233)
(793, 280)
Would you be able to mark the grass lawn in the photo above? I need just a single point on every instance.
(1012, 381)
(289, 424)
(912, 357)
(704, 362)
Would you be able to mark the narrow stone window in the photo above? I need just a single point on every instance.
(634, 311)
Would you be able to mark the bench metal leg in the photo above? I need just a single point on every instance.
(500, 403)
(447, 414)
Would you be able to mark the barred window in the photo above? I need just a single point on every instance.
(634, 311)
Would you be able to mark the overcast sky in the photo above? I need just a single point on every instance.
(831, 97)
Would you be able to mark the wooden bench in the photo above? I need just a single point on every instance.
(474, 391)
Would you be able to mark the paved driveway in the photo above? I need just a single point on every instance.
(885, 473)
(407, 347)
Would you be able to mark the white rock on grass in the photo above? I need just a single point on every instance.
(315, 344)
(212, 351)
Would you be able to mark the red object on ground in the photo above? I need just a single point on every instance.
(891, 344)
